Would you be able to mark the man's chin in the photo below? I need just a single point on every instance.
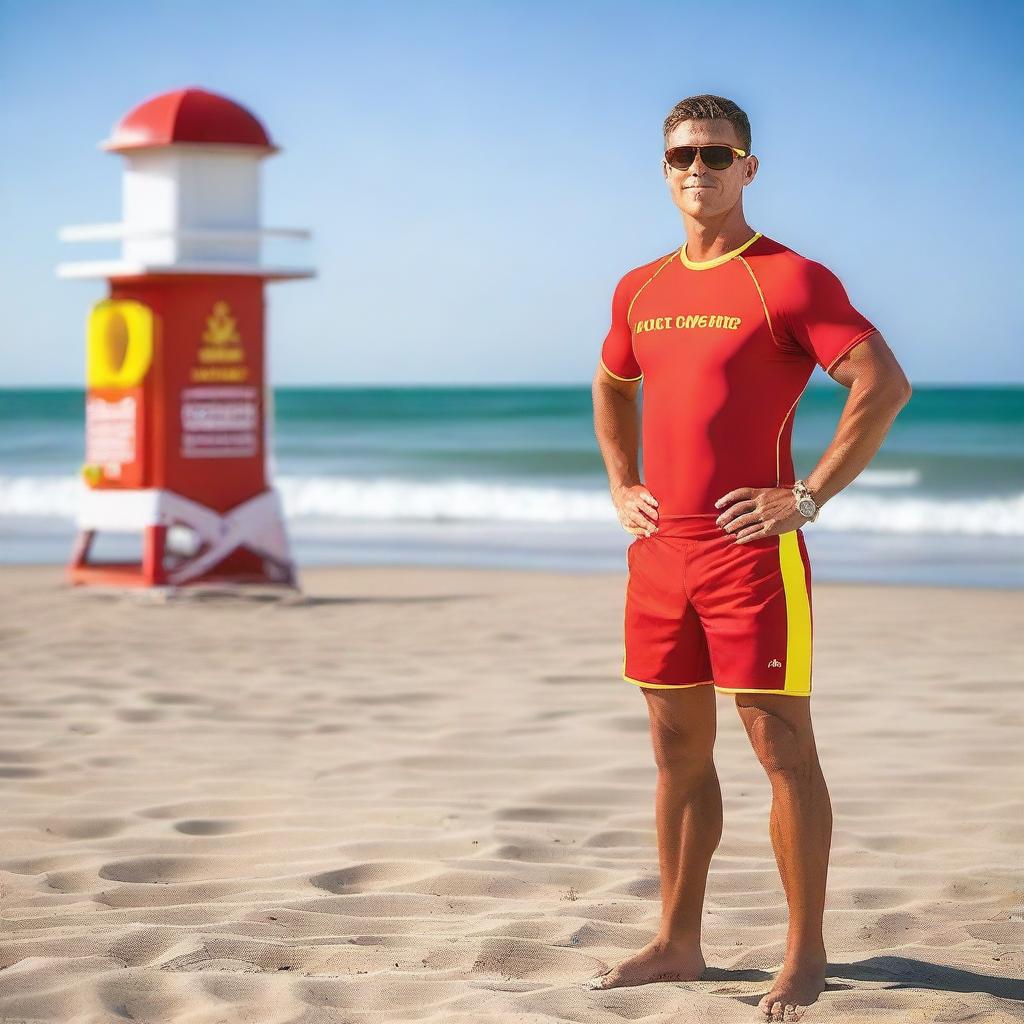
(690, 201)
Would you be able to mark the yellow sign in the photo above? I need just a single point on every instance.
(221, 328)
(223, 347)
(119, 343)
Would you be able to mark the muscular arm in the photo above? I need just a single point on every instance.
(616, 427)
(878, 390)
(617, 430)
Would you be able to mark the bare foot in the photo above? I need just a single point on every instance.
(657, 961)
(793, 990)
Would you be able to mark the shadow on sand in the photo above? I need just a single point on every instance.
(892, 972)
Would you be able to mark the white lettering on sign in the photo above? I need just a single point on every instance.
(218, 415)
(110, 433)
(219, 423)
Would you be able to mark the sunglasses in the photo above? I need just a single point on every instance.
(716, 157)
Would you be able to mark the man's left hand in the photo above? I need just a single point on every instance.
(752, 512)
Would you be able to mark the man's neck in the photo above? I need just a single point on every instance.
(707, 240)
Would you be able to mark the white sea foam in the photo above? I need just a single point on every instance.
(872, 477)
(348, 499)
(39, 495)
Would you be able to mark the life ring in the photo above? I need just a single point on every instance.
(120, 343)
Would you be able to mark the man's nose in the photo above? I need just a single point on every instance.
(698, 168)
(697, 165)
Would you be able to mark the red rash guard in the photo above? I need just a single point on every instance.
(725, 349)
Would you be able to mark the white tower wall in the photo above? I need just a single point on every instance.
(189, 191)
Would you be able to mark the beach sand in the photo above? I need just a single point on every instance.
(427, 794)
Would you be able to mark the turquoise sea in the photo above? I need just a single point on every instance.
(512, 476)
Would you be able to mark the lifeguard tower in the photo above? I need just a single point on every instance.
(178, 413)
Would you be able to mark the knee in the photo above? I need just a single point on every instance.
(777, 745)
(680, 755)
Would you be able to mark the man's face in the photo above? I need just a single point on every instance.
(700, 191)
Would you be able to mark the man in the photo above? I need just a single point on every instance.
(724, 332)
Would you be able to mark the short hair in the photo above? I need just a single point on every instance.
(707, 107)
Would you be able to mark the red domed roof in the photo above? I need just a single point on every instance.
(188, 116)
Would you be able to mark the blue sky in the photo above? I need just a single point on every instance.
(479, 175)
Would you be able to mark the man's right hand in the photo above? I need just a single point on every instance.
(637, 509)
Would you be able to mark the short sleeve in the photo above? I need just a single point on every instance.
(818, 316)
(617, 355)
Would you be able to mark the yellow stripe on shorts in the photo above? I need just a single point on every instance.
(798, 615)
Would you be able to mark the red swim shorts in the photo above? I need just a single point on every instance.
(702, 609)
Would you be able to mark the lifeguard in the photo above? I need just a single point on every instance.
(718, 595)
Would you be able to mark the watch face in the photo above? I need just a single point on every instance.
(805, 506)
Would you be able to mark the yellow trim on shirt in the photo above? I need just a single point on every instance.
(851, 344)
(778, 437)
(615, 375)
(629, 309)
(708, 264)
(764, 304)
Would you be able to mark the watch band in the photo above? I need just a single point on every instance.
(804, 496)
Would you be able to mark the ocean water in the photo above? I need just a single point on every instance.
(512, 476)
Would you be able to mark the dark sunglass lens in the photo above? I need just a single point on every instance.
(681, 157)
(716, 157)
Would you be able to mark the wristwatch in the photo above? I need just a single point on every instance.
(804, 502)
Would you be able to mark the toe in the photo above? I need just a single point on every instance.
(777, 1010)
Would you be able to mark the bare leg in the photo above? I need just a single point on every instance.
(688, 813)
(779, 728)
